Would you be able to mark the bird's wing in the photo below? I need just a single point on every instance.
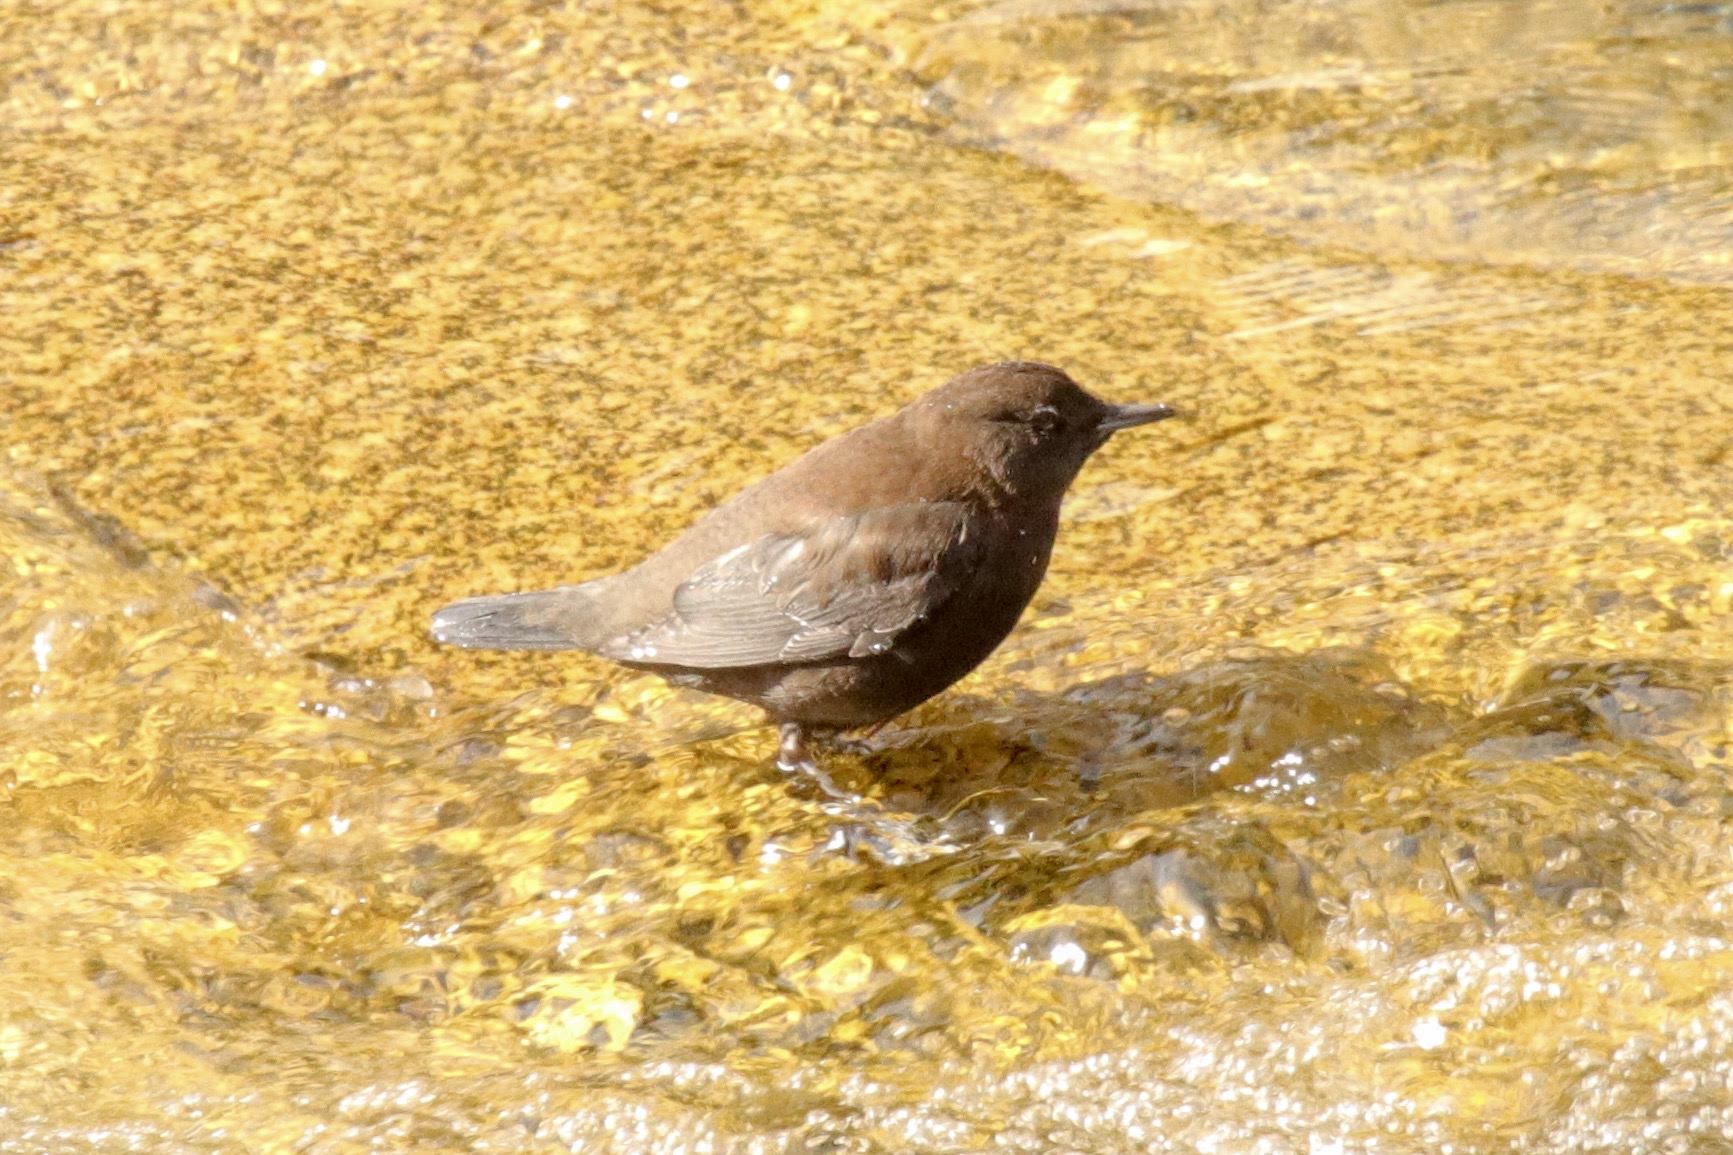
(849, 587)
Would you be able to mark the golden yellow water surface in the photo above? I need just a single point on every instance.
(1360, 780)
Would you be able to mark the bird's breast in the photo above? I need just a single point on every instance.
(1012, 560)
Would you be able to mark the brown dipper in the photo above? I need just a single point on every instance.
(858, 581)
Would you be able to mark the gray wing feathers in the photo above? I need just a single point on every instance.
(850, 587)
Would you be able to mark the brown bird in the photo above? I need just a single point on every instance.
(858, 581)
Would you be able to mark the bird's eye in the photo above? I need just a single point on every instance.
(1044, 421)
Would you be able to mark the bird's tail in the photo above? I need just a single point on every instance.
(544, 620)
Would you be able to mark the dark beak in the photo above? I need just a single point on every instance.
(1125, 416)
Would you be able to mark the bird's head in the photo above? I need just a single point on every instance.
(1028, 425)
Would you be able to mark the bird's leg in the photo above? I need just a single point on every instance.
(866, 827)
(794, 756)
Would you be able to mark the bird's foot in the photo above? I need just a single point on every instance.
(795, 751)
(794, 756)
(861, 747)
(865, 827)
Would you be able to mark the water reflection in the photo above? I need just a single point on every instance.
(1564, 133)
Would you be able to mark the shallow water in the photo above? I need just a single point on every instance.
(1560, 133)
(1359, 781)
